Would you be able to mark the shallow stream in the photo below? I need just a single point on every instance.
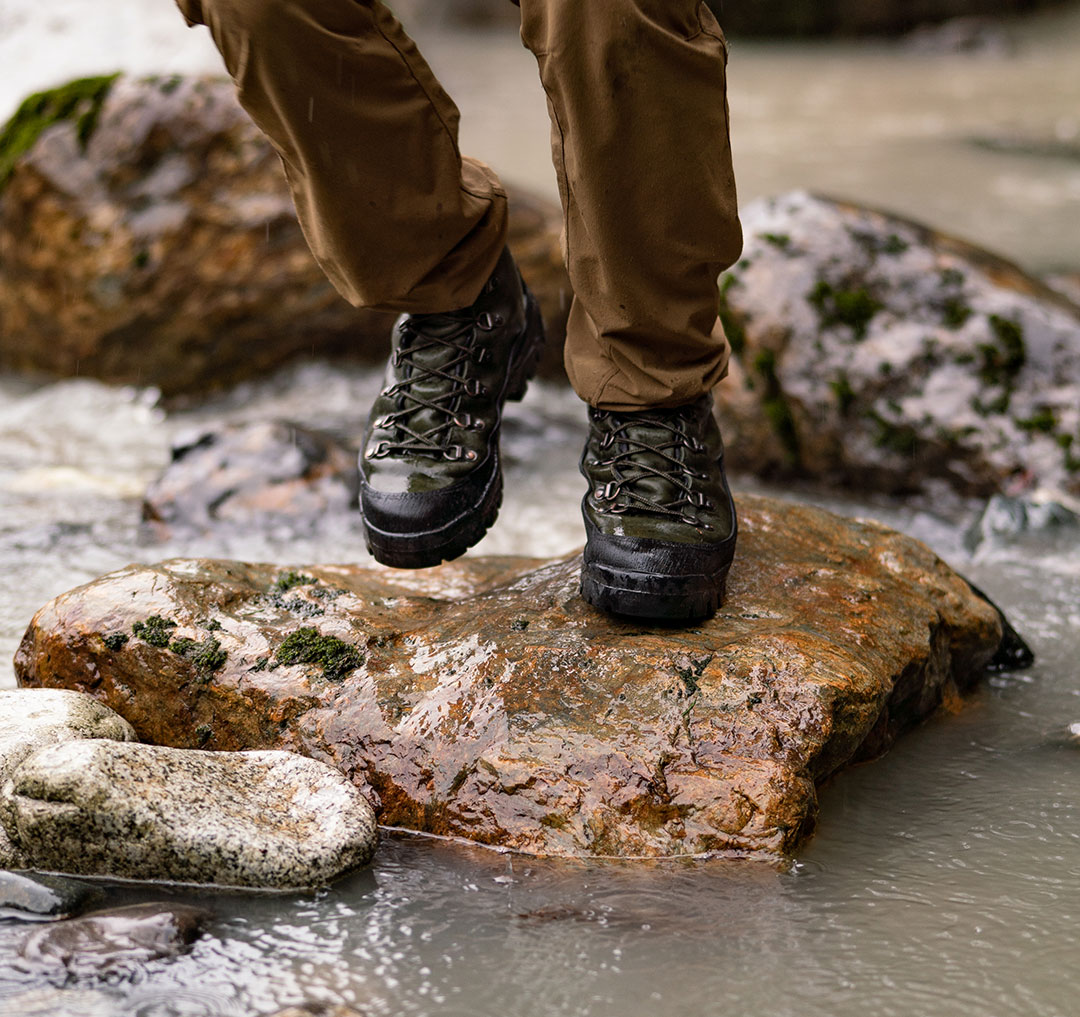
(944, 878)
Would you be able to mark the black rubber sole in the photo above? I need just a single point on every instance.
(422, 550)
(653, 597)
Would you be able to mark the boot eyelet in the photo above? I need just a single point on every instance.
(607, 439)
(473, 387)
(487, 321)
(481, 354)
(470, 455)
(463, 420)
(378, 451)
(453, 453)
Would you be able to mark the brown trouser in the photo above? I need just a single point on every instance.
(400, 221)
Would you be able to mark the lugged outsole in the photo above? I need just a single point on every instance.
(624, 595)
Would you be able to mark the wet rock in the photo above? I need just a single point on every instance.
(166, 250)
(112, 943)
(1073, 733)
(484, 699)
(30, 720)
(259, 475)
(1066, 283)
(42, 897)
(872, 352)
(266, 819)
(1005, 518)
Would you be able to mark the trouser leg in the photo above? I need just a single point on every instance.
(637, 95)
(394, 215)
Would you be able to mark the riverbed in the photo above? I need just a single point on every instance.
(944, 878)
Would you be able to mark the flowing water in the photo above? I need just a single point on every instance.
(944, 878)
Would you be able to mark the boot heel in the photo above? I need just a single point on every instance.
(528, 357)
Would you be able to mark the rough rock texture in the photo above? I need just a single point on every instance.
(30, 720)
(486, 700)
(166, 250)
(267, 819)
(112, 944)
(258, 475)
(871, 351)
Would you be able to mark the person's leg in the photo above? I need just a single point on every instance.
(394, 215)
(398, 220)
(637, 95)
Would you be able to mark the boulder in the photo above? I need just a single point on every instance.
(873, 352)
(166, 249)
(30, 720)
(485, 699)
(264, 476)
(265, 819)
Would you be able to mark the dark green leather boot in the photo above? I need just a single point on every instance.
(430, 476)
(659, 518)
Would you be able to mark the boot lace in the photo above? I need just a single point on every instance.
(641, 460)
(425, 334)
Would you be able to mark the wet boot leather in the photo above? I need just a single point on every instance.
(659, 518)
(430, 474)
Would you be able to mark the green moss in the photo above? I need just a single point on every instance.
(79, 101)
(141, 259)
(955, 313)
(288, 580)
(203, 734)
(333, 655)
(894, 245)
(115, 641)
(781, 240)
(733, 328)
(898, 438)
(845, 394)
(1042, 420)
(553, 821)
(775, 406)
(207, 655)
(156, 631)
(854, 308)
(213, 625)
(952, 277)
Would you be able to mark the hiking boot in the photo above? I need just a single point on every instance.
(659, 518)
(430, 477)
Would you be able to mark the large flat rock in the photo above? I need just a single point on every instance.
(486, 700)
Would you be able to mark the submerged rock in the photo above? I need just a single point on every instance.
(112, 943)
(873, 352)
(1009, 517)
(485, 699)
(42, 897)
(266, 819)
(32, 719)
(166, 249)
(259, 475)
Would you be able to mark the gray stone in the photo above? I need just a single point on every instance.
(112, 943)
(871, 351)
(319, 1009)
(1005, 518)
(268, 819)
(30, 719)
(42, 897)
(269, 474)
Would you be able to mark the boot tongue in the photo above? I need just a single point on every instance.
(649, 430)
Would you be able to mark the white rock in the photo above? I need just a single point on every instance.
(269, 819)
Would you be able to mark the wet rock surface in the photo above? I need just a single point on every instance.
(873, 352)
(42, 897)
(486, 700)
(265, 819)
(263, 475)
(30, 720)
(167, 250)
(112, 943)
